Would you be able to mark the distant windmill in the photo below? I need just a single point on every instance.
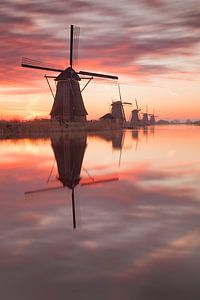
(68, 102)
(135, 120)
(69, 152)
(145, 119)
(117, 109)
(152, 120)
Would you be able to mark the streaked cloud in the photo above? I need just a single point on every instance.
(135, 39)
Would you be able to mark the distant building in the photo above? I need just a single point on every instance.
(107, 117)
(162, 122)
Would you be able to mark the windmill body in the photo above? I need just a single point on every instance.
(152, 120)
(145, 119)
(68, 102)
(117, 111)
(135, 120)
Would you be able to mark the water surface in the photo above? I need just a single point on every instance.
(108, 216)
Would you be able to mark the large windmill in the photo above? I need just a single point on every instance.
(117, 109)
(68, 102)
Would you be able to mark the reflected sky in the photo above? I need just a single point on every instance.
(136, 237)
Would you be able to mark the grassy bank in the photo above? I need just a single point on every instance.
(44, 128)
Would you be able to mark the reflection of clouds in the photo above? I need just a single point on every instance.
(182, 247)
(171, 153)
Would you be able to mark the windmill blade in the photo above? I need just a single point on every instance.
(102, 81)
(129, 103)
(43, 190)
(74, 42)
(136, 104)
(100, 181)
(97, 75)
(35, 64)
(71, 45)
(120, 95)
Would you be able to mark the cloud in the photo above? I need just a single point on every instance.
(152, 3)
(36, 30)
(142, 40)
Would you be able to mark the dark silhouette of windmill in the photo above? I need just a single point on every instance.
(148, 119)
(68, 102)
(117, 109)
(145, 118)
(69, 152)
(135, 119)
(152, 120)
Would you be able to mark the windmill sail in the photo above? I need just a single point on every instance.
(92, 74)
(74, 43)
(36, 64)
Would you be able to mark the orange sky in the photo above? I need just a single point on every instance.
(152, 45)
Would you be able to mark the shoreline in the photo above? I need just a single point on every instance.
(46, 128)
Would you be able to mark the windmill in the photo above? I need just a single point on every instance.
(117, 109)
(68, 102)
(145, 119)
(69, 152)
(152, 120)
(135, 120)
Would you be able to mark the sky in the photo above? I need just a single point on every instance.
(152, 45)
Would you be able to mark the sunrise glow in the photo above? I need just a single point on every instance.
(153, 46)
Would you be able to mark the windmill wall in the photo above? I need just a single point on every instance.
(145, 119)
(135, 117)
(152, 120)
(68, 104)
(117, 111)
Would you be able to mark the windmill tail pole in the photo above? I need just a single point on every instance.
(49, 86)
(86, 84)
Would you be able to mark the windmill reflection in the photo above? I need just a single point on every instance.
(69, 150)
(116, 137)
(69, 153)
(144, 133)
(118, 140)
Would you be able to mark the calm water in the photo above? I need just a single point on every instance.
(107, 216)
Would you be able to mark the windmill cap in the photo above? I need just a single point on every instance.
(68, 73)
